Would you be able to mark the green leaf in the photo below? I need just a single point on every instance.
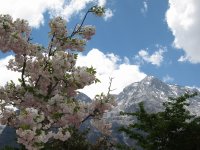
(57, 115)
(25, 126)
(75, 56)
(91, 70)
(97, 81)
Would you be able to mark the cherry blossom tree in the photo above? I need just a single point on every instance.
(47, 107)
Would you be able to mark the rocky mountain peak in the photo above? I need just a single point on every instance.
(148, 79)
(151, 81)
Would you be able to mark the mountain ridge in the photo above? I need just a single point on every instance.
(151, 91)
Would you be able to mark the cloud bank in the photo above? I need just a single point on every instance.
(183, 20)
(34, 10)
(109, 65)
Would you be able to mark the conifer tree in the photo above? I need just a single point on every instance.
(173, 129)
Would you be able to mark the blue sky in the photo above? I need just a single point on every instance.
(136, 37)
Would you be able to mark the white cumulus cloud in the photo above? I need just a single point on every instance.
(33, 10)
(7, 75)
(183, 19)
(155, 59)
(109, 65)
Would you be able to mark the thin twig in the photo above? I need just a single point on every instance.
(110, 84)
(54, 86)
(51, 88)
(79, 28)
(46, 62)
(51, 45)
(24, 67)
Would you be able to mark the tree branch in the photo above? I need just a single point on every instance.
(23, 71)
(90, 115)
(109, 88)
(51, 45)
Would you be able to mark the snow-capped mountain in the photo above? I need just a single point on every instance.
(153, 93)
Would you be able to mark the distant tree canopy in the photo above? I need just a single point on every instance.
(173, 129)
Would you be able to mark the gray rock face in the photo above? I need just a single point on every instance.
(7, 137)
(84, 98)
